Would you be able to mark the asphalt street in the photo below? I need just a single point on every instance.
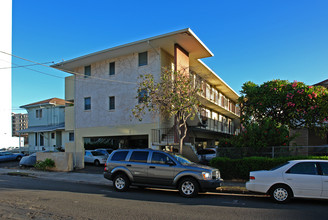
(35, 198)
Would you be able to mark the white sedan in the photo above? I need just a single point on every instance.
(296, 178)
(95, 157)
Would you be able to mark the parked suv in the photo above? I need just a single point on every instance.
(160, 169)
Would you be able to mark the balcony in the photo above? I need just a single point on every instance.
(214, 99)
(218, 126)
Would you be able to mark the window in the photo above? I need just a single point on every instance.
(38, 113)
(71, 136)
(309, 168)
(119, 156)
(87, 103)
(87, 71)
(142, 96)
(160, 158)
(36, 139)
(324, 168)
(143, 58)
(53, 135)
(139, 156)
(112, 68)
(111, 102)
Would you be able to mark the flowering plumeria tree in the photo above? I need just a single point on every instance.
(174, 95)
(295, 104)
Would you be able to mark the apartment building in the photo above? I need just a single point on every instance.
(103, 90)
(19, 122)
(46, 127)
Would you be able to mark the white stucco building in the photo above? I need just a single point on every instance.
(103, 89)
(6, 139)
(46, 127)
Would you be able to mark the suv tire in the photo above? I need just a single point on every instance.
(121, 183)
(188, 187)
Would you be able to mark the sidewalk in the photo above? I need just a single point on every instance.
(98, 179)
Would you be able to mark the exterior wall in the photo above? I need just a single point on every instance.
(181, 60)
(302, 138)
(6, 139)
(51, 115)
(69, 88)
(63, 160)
(69, 118)
(126, 70)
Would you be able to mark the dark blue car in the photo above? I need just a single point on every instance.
(8, 156)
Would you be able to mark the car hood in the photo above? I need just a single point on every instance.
(197, 166)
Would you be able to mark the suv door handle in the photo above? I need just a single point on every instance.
(152, 167)
(128, 165)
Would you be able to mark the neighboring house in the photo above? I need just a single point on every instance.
(103, 89)
(308, 137)
(46, 128)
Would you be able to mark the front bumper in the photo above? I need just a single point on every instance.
(211, 185)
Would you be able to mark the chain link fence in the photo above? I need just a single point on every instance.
(272, 152)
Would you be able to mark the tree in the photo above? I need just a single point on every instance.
(295, 105)
(174, 95)
(258, 136)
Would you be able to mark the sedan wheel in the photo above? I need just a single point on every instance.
(97, 163)
(281, 194)
(188, 187)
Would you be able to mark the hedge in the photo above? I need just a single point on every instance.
(240, 168)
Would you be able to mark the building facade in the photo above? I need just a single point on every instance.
(103, 90)
(19, 122)
(46, 127)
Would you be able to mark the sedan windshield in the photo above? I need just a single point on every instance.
(97, 153)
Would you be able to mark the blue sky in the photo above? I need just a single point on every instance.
(253, 40)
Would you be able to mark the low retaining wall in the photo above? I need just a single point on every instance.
(63, 160)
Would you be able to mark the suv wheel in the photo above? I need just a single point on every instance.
(188, 187)
(121, 182)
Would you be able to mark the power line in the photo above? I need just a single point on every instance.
(11, 67)
(68, 71)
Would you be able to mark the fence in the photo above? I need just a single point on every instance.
(277, 151)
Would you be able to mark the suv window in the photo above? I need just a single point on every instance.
(119, 156)
(160, 158)
(309, 168)
(139, 156)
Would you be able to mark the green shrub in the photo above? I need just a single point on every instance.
(44, 165)
(240, 168)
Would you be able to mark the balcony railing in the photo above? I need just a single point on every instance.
(215, 96)
(162, 136)
(218, 126)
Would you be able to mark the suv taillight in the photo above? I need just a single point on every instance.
(252, 178)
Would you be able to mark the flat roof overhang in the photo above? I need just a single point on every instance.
(185, 38)
(201, 69)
